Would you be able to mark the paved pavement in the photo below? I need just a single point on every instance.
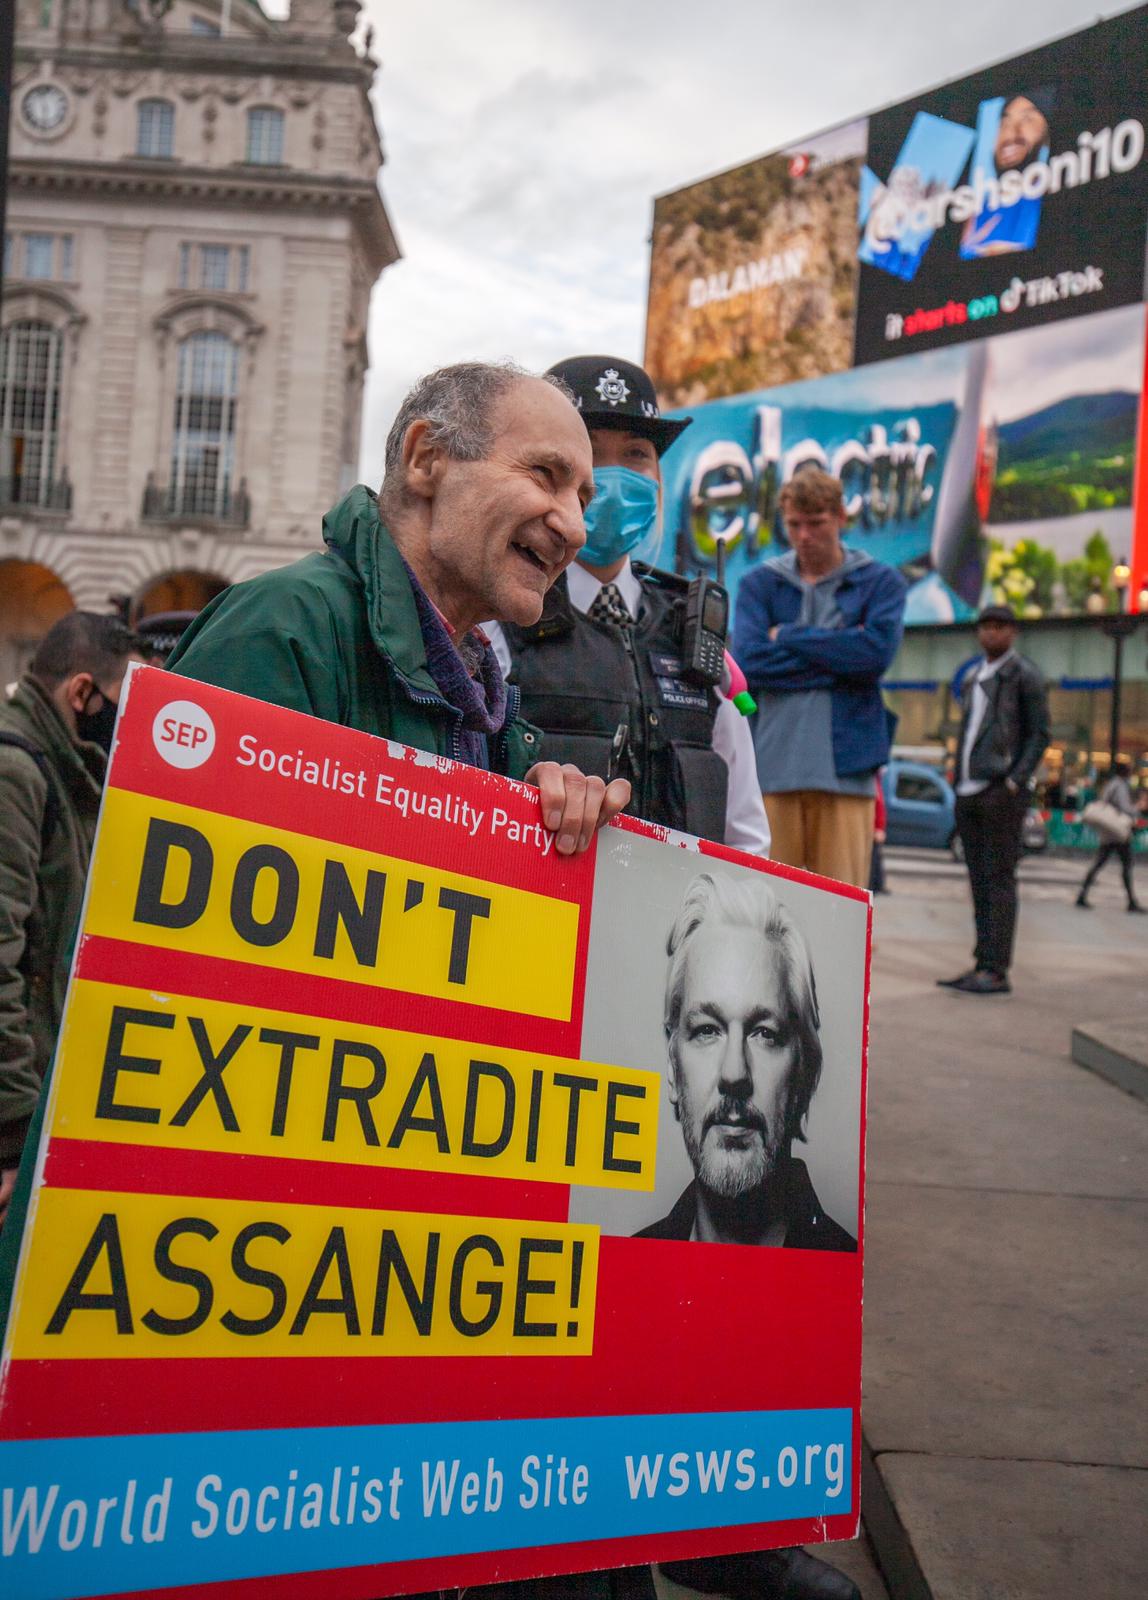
(1006, 1335)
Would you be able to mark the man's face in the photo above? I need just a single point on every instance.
(1022, 131)
(815, 536)
(733, 1059)
(502, 529)
(995, 638)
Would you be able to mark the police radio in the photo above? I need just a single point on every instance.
(706, 628)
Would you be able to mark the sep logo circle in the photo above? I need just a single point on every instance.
(183, 733)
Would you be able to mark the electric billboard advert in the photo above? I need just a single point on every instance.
(1008, 200)
(388, 1228)
(988, 427)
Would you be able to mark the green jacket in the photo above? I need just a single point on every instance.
(337, 635)
(49, 821)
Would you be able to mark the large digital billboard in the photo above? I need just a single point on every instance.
(1009, 199)
(1001, 469)
(753, 272)
(987, 420)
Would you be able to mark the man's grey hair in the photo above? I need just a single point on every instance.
(751, 903)
(459, 403)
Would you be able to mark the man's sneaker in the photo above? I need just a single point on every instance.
(983, 983)
(957, 983)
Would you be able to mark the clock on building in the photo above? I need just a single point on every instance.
(44, 107)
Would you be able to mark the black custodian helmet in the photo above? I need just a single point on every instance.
(611, 393)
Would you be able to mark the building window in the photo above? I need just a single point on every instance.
(200, 25)
(156, 129)
(30, 361)
(38, 255)
(265, 136)
(203, 447)
(219, 268)
(216, 260)
(42, 256)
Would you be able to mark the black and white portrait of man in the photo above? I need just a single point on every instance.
(743, 1041)
(739, 992)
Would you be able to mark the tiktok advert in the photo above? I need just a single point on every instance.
(1010, 199)
(417, 1207)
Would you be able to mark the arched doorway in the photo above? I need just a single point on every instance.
(185, 590)
(32, 598)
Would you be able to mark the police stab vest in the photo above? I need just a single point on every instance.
(615, 702)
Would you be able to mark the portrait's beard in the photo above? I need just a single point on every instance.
(731, 1163)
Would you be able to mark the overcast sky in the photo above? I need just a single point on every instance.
(526, 139)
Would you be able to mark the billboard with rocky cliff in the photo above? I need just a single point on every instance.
(753, 273)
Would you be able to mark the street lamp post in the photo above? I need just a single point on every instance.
(1118, 625)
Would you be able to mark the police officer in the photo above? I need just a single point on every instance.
(602, 672)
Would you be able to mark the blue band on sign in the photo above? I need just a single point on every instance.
(99, 1516)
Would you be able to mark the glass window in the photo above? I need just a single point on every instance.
(214, 261)
(203, 445)
(67, 256)
(38, 252)
(265, 136)
(915, 786)
(243, 272)
(30, 360)
(156, 129)
(209, 30)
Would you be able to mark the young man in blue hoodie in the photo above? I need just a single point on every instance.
(815, 630)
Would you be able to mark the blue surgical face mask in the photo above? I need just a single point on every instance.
(621, 514)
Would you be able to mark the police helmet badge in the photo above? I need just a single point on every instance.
(612, 387)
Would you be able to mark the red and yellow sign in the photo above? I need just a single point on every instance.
(328, 1274)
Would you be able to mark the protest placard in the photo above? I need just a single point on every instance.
(377, 1154)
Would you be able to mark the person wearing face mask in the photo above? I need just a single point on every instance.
(601, 672)
(55, 736)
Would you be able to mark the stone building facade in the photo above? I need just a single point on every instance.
(194, 229)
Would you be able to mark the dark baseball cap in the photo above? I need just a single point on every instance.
(998, 613)
(611, 393)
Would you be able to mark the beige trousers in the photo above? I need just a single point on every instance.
(827, 833)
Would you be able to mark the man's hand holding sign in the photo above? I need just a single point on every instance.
(329, 1268)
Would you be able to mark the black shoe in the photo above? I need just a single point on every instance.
(765, 1575)
(811, 1579)
(1082, 902)
(957, 983)
(1136, 906)
(983, 983)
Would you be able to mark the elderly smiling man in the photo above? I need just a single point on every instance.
(488, 473)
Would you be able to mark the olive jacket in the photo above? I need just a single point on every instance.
(337, 635)
(49, 802)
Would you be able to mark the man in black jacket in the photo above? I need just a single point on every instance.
(1004, 733)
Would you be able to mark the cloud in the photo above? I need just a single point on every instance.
(526, 140)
